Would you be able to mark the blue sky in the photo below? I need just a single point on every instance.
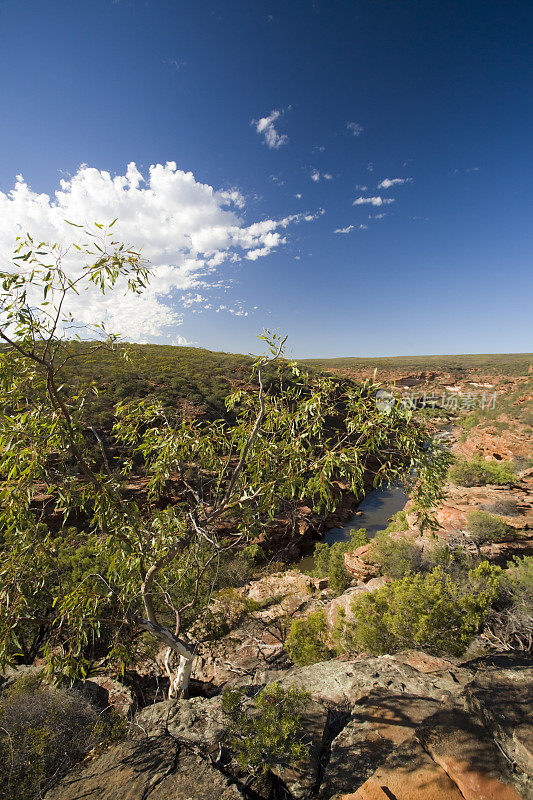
(434, 98)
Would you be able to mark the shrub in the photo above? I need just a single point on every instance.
(398, 522)
(43, 732)
(505, 506)
(395, 557)
(267, 730)
(307, 640)
(329, 560)
(486, 528)
(432, 612)
(479, 472)
(511, 627)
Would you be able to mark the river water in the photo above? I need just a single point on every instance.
(377, 508)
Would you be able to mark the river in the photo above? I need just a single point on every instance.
(377, 508)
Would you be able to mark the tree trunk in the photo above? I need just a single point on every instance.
(179, 679)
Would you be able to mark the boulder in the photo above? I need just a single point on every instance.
(108, 692)
(409, 773)
(359, 563)
(464, 749)
(379, 724)
(155, 767)
(344, 683)
(195, 721)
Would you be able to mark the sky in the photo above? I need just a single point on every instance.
(354, 174)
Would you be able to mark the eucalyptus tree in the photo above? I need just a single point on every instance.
(146, 562)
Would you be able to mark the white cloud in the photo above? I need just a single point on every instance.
(350, 228)
(361, 187)
(186, 230)
(388, 182)
(373, 201)
(298, 196)
(355, 128)
(376, 216)
(265, 126)
(316, 176)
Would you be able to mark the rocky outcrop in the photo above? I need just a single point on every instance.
(156, 767)
(407, 727)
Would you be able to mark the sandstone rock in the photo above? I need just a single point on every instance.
(343, 602)
(408, 774)
(345, 683)
(197, 721)
(379, 724)
(503, 699)
(473, 761)
(155, 767)
(359, 563)
(106, 691)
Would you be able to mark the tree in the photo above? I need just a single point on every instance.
(149, 563)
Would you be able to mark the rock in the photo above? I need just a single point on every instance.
(408, 774)
(105, 692)
(472, 760)
(359, 563)
(344, 601)
(345, 683)
(154, 767)
(196, 721)
(300, 782)
(503, 699)
(379, 724)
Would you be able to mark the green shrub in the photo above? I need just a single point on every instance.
(486, 528)
(431, 612)
(395, 557)
(307, 640)
(43, 732)
(479, 472)
(329, 560)
(398, 522)
(510, 626)
(267, 730)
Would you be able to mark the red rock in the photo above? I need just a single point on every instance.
(359, 564)
(409, 774)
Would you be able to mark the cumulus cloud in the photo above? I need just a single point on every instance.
(186, 230)
(265, 127)
(373, 201)
(350, 228)
(354, 128)
(388, 182)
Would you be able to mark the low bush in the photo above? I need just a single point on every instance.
(505, 506)
(329, 560)
(431, 612)
(395, 557)
(267, 730)
(307, 642)
(43, 733)
(486, 528)
(510, 627)
(479, 472)
(398, 522)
